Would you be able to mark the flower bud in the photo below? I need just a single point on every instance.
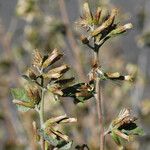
(37, 59)
(59, 119)
(35, 131)
(52, 58)
(84, 39)
(87, 12)
(32, 74)
(121, 29)
(128, 78)
(52, 120)
(33, 94)
(23, 103)
(123, 118)
(53, 75)
(106, 24)
(69, 120)
(55, 89)
(98, 14)
(112, 75)
(59, 134)
(56, 72)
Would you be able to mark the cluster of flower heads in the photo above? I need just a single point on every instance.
(41, 71)
(43, 76)
(100, 28)
(56, 84)
(79, 91)
(51, 125)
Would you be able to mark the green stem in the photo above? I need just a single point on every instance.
(98, 98)
(41, 113)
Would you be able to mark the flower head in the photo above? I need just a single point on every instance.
(123, 127)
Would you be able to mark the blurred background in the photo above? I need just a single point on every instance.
(45, 24)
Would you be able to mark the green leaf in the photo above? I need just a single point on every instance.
(79, 99)
(81, 88)
(21, 95)
(65, 145)
(116, 138)
(61, 144)
(137, 131)
(49, 139)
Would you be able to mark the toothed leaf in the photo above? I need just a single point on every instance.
(21, 95)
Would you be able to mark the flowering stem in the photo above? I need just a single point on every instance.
(99, 103)
(41, 113)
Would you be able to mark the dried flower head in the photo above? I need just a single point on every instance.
(33, 94)
(117, 76)
(32, 75)
(124, 127)
(52, 58)
(51, 129)
(35, 131)
(123, 118)
(88, 19)
(56, 73)
(55, 89)
(37, 59)
(109, 75)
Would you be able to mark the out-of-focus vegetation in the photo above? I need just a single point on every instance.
(44, 26)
